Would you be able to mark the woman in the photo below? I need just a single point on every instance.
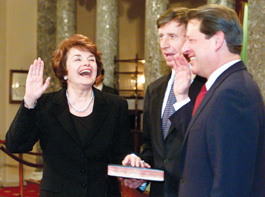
(81, 129)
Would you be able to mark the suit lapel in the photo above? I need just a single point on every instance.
(195, 87)
(159, 98)
(236, 67)
(63, 115)
(100, 111)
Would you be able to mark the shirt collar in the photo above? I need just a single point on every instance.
(172, 77)
(217, 73)
(100, 87)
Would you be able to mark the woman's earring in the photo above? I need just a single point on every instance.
(65, 77)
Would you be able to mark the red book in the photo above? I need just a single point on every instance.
(135, 172)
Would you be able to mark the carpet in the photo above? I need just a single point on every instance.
(30, 190)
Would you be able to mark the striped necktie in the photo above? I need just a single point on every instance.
(169, 109)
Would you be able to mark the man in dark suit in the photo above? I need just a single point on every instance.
(101, 86)
(223, 151)
(162, 149)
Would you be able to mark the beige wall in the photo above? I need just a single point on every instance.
(2, 78)
(131, 29)
(18, 50)
(86, 19)
(2, 65)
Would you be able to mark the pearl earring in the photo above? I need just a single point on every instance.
(65, 77)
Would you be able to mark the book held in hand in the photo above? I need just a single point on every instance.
(135, 172)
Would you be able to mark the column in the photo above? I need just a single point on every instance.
(155, 66)
(256, 42)
(228, 3)
(46, 43)
(66, 19)
(46, 38)
(107, 36)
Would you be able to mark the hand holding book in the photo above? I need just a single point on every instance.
(134, 161)
(135, 172)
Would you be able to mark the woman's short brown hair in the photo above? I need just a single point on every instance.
(59, 56)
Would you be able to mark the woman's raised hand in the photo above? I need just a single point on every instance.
(34, 83)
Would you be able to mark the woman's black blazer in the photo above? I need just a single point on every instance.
(71, 169)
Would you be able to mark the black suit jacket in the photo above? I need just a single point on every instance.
(71, 169)
(160, 153)
(224, 148)
(110, 90)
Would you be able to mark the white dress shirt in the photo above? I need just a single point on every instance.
(208, 85)
(176, 105)
(212, 78)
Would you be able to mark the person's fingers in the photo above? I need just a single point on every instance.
(146, 165)
(136, 185)
(143, 164)
(127, 182)
(176, 60)
(183, 60)
(133, 183)
(125, 161)
(38, 67)
(138, 162)
(30, 70)
(134, 160)
(46, 84)
(41, 68)
(35, 67)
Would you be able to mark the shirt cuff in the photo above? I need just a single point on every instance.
(180, 104)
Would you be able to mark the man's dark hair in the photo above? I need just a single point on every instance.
(102, 71)
(216, 18)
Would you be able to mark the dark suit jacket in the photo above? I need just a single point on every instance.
(110, 90)
(160, 153)
(71, 169)
(223, 152)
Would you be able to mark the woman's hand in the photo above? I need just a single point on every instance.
(134, 161)
(132, 183)
(34, 83)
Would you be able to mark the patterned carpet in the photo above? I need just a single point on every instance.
(30, 190)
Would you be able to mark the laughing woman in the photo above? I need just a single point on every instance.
(81, 129)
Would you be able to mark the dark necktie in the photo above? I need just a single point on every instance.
(199, 99)
(169, 109)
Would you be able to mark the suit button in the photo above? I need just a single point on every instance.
(83, 156)
(166, 161)
(83, 170)
(83, 185)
